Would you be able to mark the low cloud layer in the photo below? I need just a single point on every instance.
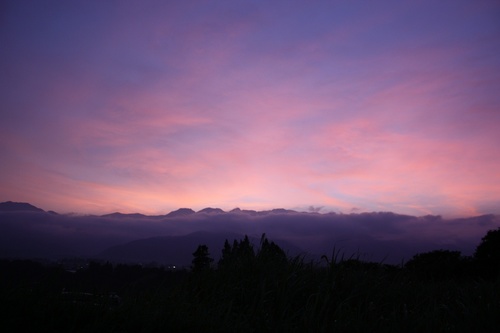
(373, 236)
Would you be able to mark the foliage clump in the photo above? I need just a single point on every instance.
(487, 254)
(202, 259)
(438, 264)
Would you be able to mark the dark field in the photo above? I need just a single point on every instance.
(251, 290)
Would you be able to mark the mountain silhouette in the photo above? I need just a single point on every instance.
(10, 206)
(28, 231)
(120, 215)
(168, 250)
(281, 211)
(210, 210)
(180, 212)
(244, 211)
(177, 250)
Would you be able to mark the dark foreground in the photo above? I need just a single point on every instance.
(247, 291)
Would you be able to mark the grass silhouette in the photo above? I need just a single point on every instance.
(250, 290)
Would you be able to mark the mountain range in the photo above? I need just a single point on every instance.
(10, 206)
(27, 231)
(170, 250)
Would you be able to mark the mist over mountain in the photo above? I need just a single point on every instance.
(28, 231)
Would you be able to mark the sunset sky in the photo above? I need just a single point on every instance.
(330, 106)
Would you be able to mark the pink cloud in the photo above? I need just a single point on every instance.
(243, 106)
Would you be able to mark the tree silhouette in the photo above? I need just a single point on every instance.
(238, 256)
(245, 252)
(201, 260)
(487, 254)
(271, 253)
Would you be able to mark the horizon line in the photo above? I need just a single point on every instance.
(313, 210)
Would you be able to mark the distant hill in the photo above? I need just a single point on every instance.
(210, 210)
(27, 231)
(282, 211)
(120, 215)
(245, 211)
(10, 206)
(177, 250)
(180, 212)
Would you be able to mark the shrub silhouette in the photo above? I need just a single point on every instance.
(437, 264)
(487, 254)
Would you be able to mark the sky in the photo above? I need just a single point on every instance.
(329, 106)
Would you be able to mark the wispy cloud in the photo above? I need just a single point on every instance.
(380, 107)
